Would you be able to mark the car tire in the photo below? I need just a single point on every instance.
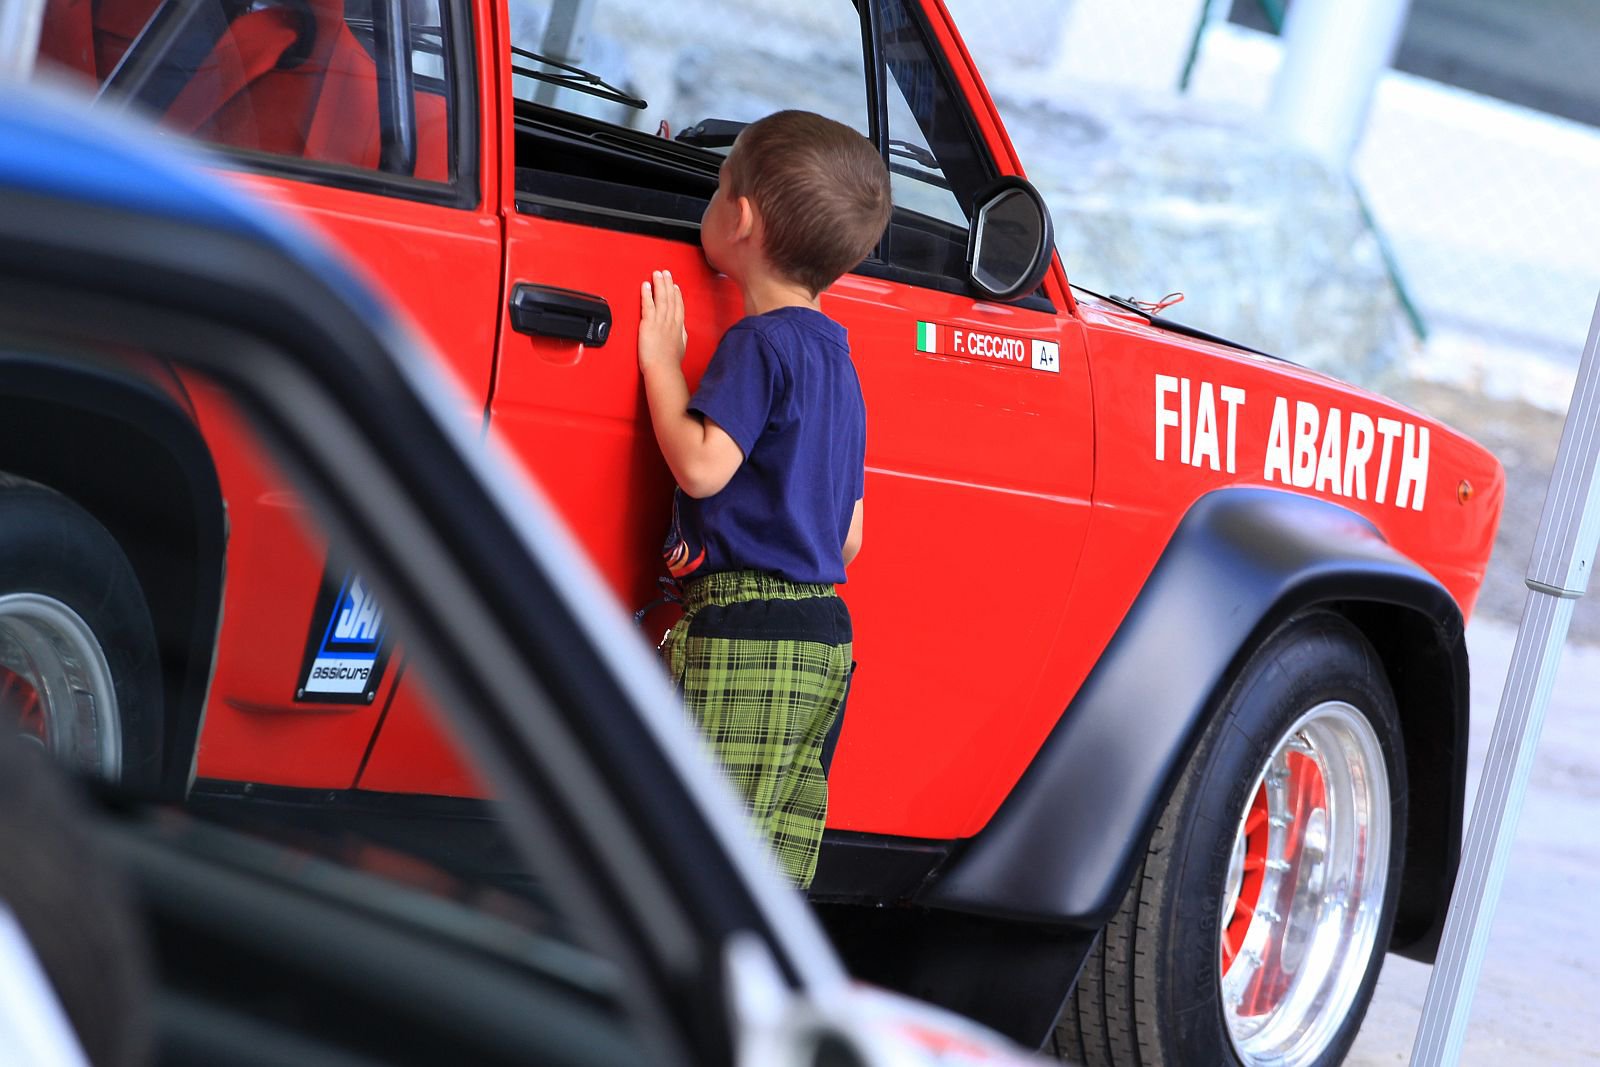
(80, 674)
(1256, 924)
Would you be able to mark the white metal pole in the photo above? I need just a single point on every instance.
(1558, 574)
(1334, 51)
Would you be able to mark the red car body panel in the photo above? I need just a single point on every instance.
(1013, 515)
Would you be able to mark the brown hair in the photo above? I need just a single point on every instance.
(821, 189)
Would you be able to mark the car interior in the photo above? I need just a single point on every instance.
(295, 78)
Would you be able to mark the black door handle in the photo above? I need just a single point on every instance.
(553, 312)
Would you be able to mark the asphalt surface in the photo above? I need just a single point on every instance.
(1538, 999)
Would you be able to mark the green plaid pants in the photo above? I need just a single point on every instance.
(764, 665)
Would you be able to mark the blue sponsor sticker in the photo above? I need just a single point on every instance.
(346, 649)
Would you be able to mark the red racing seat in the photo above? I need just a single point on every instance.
(242, 97)
(116, 24)
(66, 37)
(433, 137)
(324, 107)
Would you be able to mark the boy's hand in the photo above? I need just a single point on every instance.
(700, 454)
(662, 336)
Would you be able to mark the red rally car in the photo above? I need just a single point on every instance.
(1158, 738)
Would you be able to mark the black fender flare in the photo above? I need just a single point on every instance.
(131, 454)
(1065, 842)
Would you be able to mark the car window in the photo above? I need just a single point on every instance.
(620, 102)
(364, 84)
(916, 176)
(936, 166)
(376, 723)
(685, 64)
(624, 105)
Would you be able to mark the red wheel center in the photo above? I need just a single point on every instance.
(1255, 866)
(20, 704)
(1304, 793)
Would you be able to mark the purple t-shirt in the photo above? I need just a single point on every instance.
(783, 387)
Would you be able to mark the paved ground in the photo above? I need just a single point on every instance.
(1539, 997)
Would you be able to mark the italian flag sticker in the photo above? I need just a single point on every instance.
(927, 337)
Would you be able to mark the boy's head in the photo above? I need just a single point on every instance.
(820, 189)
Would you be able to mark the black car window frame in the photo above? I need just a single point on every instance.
(943, 122)
(967, 181)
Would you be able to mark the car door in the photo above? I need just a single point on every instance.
(979, 468)
(362, 117)
(604, 192)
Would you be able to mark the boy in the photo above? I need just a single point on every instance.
(769, 457)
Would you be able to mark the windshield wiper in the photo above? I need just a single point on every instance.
(570, 77)
(914, 152)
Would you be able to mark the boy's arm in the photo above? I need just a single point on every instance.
(852, 540)
(700, 454)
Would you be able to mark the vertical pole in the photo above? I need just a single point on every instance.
(1558, 574)
(1193, 56)
(1334, 51)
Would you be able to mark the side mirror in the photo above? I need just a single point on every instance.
(1012, 240)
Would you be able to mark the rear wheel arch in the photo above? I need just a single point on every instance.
(1429, 676)
(130, 454)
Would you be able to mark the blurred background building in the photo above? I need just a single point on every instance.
(1471, 167)
(1448, 258)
